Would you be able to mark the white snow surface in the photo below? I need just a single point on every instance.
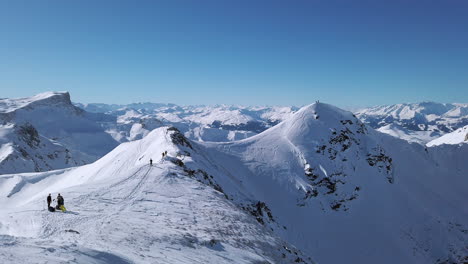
(458, 136)
(320, 185)
(420, 137)
(338, 186)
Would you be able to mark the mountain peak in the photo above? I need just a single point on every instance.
(44, 95)
(317, 118)
(47, 98)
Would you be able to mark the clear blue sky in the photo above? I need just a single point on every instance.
(348, 53)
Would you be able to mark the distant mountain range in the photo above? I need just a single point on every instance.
(418, 122)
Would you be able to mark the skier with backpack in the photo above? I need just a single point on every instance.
(60, 203)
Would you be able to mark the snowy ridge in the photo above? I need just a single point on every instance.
(456, 137)
(127, 211)
(47, 98)
(330, 183)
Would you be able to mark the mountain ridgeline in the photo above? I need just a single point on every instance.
(76, 134)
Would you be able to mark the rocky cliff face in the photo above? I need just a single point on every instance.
(47, 132)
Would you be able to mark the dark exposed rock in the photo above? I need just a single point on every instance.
(179, 139)
(381, 161)
(177, 162)
(203, 177)
(260, 210)
(28, 134)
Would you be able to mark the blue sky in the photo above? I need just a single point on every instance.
(348, 53)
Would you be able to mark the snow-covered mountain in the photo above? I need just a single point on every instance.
(23, 149)
(77, 134)
(416, 122)
(202, 123)
(458, 136)
(320, 185)
(47, 131)
(335, 185)
(125, 211)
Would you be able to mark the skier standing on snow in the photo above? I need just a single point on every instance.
(49, 200)
(151, 162)
(60, 201)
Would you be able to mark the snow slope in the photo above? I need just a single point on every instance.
(125, 211)
(421, 122)
(456, 137)
(419, 137)
(63, 135)
(342, 192)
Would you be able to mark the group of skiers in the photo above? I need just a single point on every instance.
(163, 154)
(60, 203)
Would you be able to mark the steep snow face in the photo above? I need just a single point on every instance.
(422, 122)
(330, 184)
(458, 136)
(57, 123)
(122, 210)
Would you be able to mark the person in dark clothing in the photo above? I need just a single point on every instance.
(49, 200)
(151, 162)
(60, 201)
